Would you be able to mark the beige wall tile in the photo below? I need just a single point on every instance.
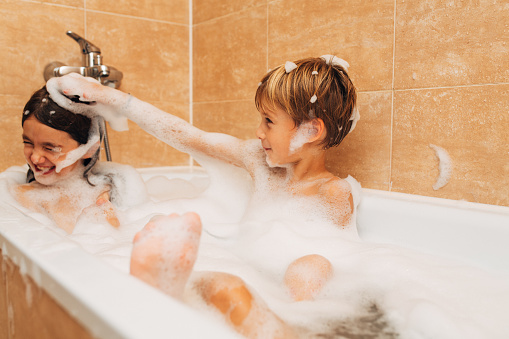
(437, 44)
(140, 149)
(155, 69)
(448, 43)
(176, 11)
(239, 118)
(153, 56)
(229, 56)
(360, 32)
(11, 109)
(4, 320)
(33, 35)
(37, 315)
(471, 124)
(204, 10)
(365, 154)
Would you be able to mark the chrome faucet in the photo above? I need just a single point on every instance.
(91, 67)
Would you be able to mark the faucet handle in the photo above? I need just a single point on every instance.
(85, 45)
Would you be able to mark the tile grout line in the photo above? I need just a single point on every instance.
(191, 111)
(85, 17)
(267, 39)
(434, 88)
(104, 12)
(138, 17)
(392, 95)
(228, 15)
(451, 87)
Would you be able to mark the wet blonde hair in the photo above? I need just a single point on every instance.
(293, 92)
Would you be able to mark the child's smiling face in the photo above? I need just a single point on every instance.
(44, 147)
(276, 131)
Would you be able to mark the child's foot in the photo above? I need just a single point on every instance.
(306, 276)
(165, 250)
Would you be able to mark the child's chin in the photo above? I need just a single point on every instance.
(270, 162)
(274, 164)
(47, 180)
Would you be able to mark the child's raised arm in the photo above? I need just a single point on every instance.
(87, 96)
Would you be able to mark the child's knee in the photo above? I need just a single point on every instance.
(227, 293)
(306, 276)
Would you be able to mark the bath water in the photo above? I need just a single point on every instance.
(377, 290)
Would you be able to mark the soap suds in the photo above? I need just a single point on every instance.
(118, 123)
(302, 135)
(376, 288)
(444, 167)
(334, 60)
(354, 118)
(290, 66)
(78, 153)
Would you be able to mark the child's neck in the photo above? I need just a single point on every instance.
(71, 181)
(308, 169)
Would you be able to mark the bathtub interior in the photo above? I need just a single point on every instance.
(473, 233)
(112, 304)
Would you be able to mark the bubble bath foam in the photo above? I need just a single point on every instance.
(412, 248)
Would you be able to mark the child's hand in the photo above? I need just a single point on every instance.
(72, 89)
(104, 203)
(85, 95)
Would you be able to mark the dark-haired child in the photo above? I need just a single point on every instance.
(62, 151)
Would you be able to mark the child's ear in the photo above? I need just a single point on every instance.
(91, 151)
(316, 129)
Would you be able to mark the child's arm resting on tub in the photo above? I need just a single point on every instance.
(87, 96)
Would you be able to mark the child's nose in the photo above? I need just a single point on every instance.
(37, 158)
(260, 134)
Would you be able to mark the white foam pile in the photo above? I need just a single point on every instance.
(377, 290)
(304, 132)
(117, 122)
(77, 153)
(444, 167)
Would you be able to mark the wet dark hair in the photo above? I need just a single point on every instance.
(47, 112)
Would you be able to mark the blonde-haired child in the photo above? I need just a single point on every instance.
(306, 107)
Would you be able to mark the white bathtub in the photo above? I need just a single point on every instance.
(111, 304)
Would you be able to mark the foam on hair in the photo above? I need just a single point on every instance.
(77, 154)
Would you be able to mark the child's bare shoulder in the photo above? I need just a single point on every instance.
(336, 187)
(22, 194)
(23, 188)
(338, 194)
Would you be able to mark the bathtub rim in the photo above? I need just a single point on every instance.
(448, 228)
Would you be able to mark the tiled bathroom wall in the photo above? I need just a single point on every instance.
(148, 41)
(431, 72)
(428, 72)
